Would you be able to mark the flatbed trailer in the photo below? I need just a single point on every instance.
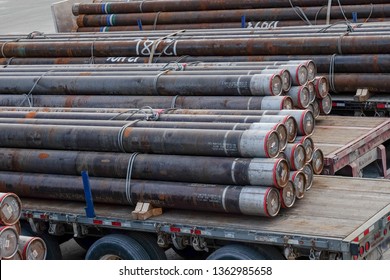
(353, 145)
(339, 218)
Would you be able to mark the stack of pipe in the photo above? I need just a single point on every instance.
(189, 163)
(350, 57)
(251, 86)
(14, 246)
(194, 14)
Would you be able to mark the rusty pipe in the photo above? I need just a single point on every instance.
(248, 200)
(248, 143)
(208, 170)
(201, 85)
(162, 102)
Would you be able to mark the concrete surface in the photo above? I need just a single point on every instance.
(25, 16)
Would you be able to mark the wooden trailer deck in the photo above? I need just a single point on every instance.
(353, 142)
(335, 207)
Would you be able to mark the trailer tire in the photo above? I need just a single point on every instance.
(116, 247)
(149, 243)
(52, 245)
(236, 252)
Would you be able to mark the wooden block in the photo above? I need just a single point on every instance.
(362, 95)
(144, 211)
(137, 209)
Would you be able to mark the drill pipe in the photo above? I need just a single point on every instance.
(197, 47)
(296, 156)
(11, 209)
(149, 70)
(249, 25)
(248, 143)
(325, 105)
(235, 117)
(307, 169)
(300, 96)
(208, 170)
(278, 127)
(264, 14)
(248, 200)
(317, 161)
(308, 143)
(368, 63)
(312, 91)
(316, 30)
(287, 195)
(351, 82)
(189, 102)
(259, 84)
(32, 248)
(8, 241)
(102, 7)
(259, 26)
(299, 180)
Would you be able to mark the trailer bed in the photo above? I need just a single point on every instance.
(345, 140)
(334, 212)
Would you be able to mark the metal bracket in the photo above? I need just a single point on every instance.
(289, 253)
(178, 241)
(33, 226)
(199, 243)
(56, 229)
(162, 240)
(314, 255)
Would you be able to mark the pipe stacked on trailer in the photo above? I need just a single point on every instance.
(14, 246)
(350, 57)
(218, 86)
(171, 15)
(187, 168)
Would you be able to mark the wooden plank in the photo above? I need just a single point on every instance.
(335, 135)
(349, 121)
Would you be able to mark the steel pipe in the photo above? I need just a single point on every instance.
(32, 248)
(209, 170)
(248, 200)
(300, 96)
(161, 102)
(309, 174)
(102, 7)
(9, 241)
(325, 104)
(201, 85)
(248, 143)
(308, 143)
(318, 161)
(287, 195)
(296, 156)
(299, 181)
(209, 16)
(10, 209)
(225, 47)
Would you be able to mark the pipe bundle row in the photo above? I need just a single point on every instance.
(350, 57)
(190, 167)
(255, 86)
(172, 15)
